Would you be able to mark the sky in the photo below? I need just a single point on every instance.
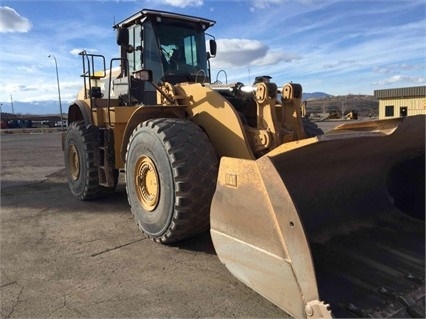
(337, 47)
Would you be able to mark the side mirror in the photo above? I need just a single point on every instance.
(213, 47)
(122, 37)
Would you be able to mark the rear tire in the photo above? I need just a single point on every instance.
(80, 149)
(171, 171)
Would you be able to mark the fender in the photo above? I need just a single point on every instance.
(214, 113)
(144, 113)
(79, 111)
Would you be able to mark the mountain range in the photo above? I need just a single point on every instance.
(315, 95)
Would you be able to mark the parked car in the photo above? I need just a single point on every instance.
(64, 123)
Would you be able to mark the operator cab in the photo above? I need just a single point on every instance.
(172, 46)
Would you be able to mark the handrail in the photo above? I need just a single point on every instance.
(89, 74)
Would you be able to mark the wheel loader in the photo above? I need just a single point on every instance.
(322, 225)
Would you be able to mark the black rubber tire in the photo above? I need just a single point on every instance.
(187, 166)
(80, 147)
(311, 129)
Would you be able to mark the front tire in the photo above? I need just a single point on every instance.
(171, 171)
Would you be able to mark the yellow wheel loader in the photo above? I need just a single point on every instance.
(322, 225)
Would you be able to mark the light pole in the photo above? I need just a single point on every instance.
(59, 90)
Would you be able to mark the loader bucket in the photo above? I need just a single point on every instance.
(332, 225)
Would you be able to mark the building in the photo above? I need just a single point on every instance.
(401, 101)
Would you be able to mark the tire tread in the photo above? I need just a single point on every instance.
(194, 164)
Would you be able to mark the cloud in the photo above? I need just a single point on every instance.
(340, 63)
(274, 57)
(11, 21)
(396, 68)
(263, 4)
(238, 52)
(28, 69)
(77, 51)
(44, 90)
(378, 69)
(401, 78)
(182, 3)
(244, 52)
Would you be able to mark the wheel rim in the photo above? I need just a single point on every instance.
(147, 183)
(73, 162)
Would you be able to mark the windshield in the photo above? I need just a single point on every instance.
(183, 50)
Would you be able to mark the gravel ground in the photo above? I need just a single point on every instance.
(62, 258)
